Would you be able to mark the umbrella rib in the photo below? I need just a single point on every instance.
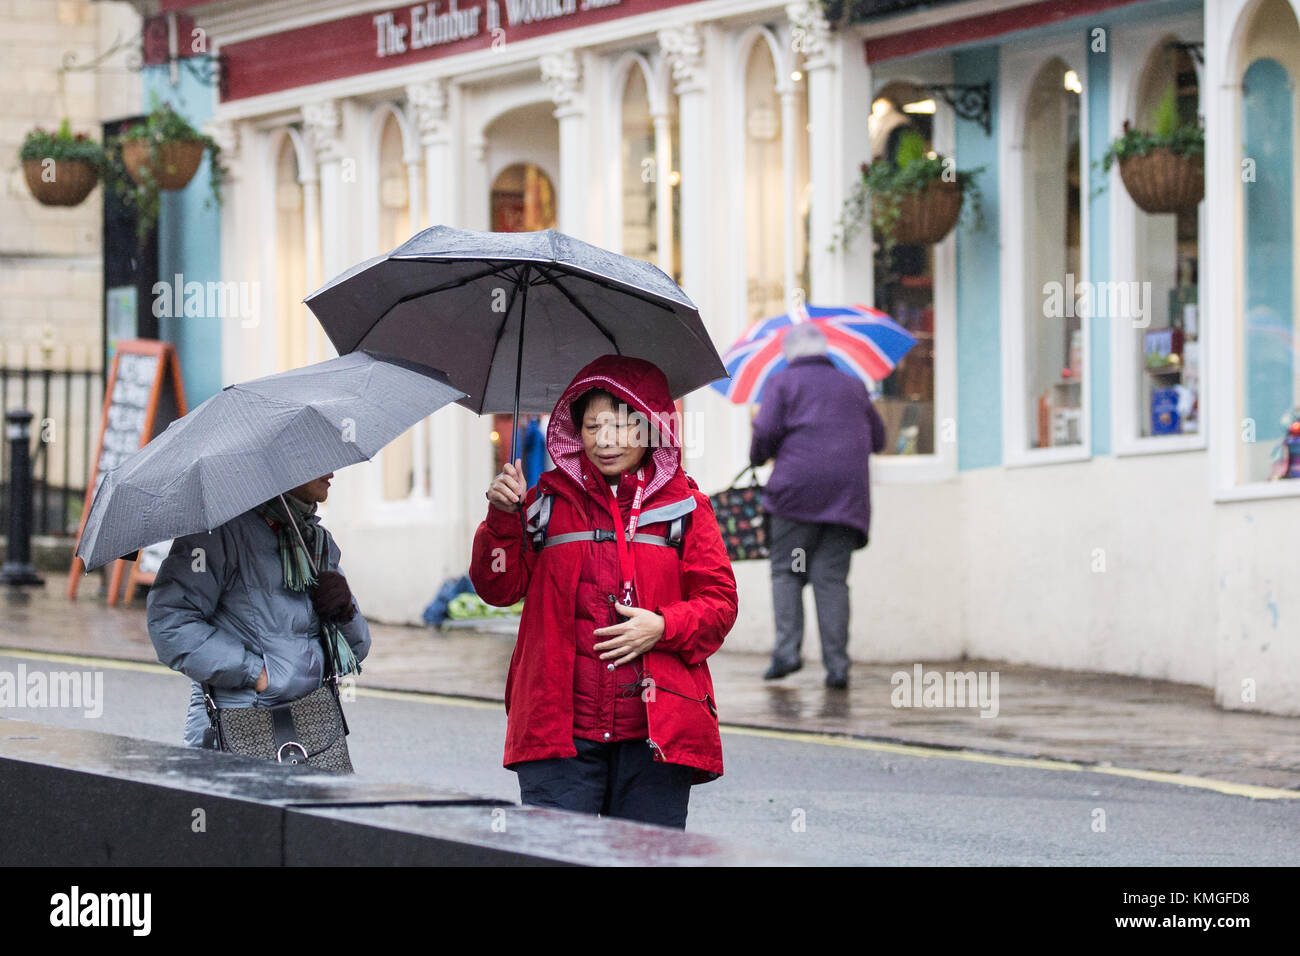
(501, 330)
(647, 297)
(495, 270)
(625, 291)
(583, 309)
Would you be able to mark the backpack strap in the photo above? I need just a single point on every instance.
(539, 516)
(604, 534)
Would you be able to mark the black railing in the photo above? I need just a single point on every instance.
(66, 404)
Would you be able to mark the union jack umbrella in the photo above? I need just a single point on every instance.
(860, 340)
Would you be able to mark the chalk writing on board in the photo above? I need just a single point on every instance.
(127, 410)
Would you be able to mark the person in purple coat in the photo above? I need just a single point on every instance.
(820, 425)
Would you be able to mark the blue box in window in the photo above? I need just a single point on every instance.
(1164, 411)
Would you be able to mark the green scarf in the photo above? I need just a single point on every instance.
(297, 569)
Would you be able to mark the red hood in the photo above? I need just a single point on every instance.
(644, 388)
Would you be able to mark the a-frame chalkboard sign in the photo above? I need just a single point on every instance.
(143, 396)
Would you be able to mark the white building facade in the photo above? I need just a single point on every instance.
(721, 140)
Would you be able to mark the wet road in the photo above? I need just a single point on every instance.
(838, 801)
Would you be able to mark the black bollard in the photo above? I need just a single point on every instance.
(18, 568)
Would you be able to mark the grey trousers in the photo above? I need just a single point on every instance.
(816, 554)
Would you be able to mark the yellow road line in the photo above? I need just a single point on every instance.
(1253, 791)
(1036, 763)
(108, 663)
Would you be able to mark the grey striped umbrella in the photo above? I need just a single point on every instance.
(253, 441)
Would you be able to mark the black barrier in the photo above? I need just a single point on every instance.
(18, 568)
(80, 798)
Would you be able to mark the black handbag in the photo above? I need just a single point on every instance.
(310, 731)
(741, 518)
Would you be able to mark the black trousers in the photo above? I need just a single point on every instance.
(619, 779)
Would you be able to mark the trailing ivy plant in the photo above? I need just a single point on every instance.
(883, 184)
(62, 147)
(163, 125)
(1166, 130)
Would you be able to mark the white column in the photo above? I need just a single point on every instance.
(325, 237)
(427, 106)
(309, 179)
(663, 186)
(454, 433)
(789, 133)
(239, 342)
(427, 103)
(684, 49)
(839, 100)
(562, 72)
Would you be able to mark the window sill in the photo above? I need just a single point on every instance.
(1161, 445)
(911, 469)
(1063, 454)
(1259, 490)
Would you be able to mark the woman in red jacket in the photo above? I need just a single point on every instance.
(609, 702)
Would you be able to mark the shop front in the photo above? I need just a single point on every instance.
(674, 132)
(1080, 444)
(1124, 375)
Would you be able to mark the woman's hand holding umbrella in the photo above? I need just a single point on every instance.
(507, 489)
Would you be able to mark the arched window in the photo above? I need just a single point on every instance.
(523, 199)
(904, 284)
(1167, 257)
(640, 173)
(398, 458)
(764, 186)
(1053, 335)
(1268, 388)
(290, 259)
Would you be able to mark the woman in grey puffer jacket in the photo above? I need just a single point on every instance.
(221, 613)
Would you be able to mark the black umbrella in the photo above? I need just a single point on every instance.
(511, 317)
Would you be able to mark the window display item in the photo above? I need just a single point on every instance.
(1164, 411)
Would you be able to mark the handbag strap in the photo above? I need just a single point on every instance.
(735, 482)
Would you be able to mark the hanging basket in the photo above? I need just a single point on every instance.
(1162, 181)
(73, 180)
(180, 161)
(928, 216)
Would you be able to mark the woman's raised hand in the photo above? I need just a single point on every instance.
(506, 492)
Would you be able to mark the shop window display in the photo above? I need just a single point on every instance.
(1170, 363)
(1054, 334)
(904, 284)
(1268, 390)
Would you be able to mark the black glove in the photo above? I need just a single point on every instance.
(332, 598)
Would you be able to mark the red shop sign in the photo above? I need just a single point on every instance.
(408, 34)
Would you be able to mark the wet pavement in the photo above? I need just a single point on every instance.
(1094, 719)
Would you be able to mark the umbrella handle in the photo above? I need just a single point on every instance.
(298, 534)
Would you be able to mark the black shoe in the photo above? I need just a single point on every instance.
(775, 672)
(837, 682)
